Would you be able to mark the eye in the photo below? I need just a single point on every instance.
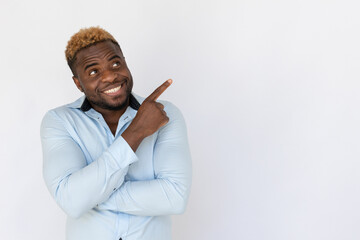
(92, 72)
(116, 64)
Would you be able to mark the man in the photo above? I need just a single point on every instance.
(117, 164)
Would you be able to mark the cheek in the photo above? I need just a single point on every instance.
(124, 72)
(90, 88)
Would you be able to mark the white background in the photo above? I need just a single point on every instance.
(269, 90)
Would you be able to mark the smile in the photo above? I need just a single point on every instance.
(113, 90)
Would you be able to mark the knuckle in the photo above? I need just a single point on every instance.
(147, 102)
(159, 105)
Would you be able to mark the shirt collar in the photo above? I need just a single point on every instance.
(84, 104)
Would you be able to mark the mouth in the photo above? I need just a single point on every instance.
(114, 90)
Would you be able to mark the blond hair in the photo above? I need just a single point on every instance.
(86, 37)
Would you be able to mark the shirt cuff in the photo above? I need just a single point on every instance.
(122, 153)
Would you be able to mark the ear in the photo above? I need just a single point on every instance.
(77, 83)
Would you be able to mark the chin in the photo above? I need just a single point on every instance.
(117, 105)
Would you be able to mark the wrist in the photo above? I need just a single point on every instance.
(133, 137)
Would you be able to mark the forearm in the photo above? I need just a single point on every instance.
(83, 189)
(168, 192)
(76, 186)
(149, 198)
(133, 137)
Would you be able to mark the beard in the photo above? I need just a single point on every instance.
(102, 103)
(105, 105)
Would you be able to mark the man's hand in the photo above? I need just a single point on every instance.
(149, 118)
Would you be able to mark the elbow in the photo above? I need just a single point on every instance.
(174, 204)
(179, 208)
(180, 201)
(72, 210)
(74, 213)
(72, 205)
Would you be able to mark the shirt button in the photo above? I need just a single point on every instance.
(114, 189)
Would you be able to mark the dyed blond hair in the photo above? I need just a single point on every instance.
(86, 37)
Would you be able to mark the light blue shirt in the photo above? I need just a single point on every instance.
(107, 190)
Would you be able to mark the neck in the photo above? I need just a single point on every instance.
(111, 117)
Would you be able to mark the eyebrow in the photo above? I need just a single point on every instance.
(93, 64)
(113, 57)
(90, 65)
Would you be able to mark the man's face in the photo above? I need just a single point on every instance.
(102, 74)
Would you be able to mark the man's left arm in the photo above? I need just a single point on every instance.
(169, 191)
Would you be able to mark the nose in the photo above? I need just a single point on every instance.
(108, 76)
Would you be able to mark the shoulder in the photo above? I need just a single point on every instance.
(62, 113)
(171, 109)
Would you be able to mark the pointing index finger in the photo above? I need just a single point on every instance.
(154, 96)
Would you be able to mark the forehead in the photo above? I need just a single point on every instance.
(98, 51)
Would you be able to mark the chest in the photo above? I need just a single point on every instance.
(93, 138)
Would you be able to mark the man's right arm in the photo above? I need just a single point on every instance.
(76, 186)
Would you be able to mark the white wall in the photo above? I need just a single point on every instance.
(269, 89)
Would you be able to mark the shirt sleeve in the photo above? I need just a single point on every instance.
(76, 186)
(169, 191)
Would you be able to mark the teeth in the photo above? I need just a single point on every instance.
(113, 90)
